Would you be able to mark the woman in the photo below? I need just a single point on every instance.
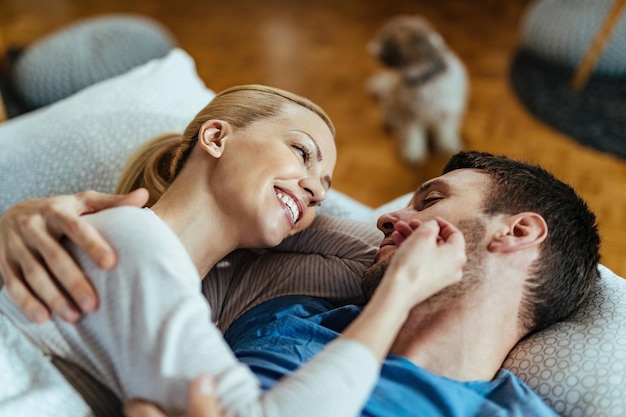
(247, 172)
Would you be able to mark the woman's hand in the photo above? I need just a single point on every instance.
(430, 256)
(39, 274)
(201, 402)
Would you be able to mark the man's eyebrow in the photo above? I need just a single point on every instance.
(318, 153)
(430, 184)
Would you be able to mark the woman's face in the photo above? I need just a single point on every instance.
(273, 173)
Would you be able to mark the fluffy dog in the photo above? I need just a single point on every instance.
(423, 91)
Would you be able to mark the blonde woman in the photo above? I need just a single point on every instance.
(247, 172)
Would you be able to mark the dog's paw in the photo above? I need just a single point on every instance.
(448, 142)
(380, 85)
(414, 147)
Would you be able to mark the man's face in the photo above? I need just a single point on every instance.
(458, 197)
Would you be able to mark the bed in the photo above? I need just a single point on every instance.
(578, 366)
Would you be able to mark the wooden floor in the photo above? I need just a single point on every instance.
(317, 49)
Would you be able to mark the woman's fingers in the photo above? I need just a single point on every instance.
(201, 402)
(431, 258)
(201, 399)
(140, 408)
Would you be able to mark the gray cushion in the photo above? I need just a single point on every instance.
(84, 53)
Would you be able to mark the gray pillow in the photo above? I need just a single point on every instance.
(84, 53)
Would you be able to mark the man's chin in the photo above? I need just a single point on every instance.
(383, 254)
(373, 275)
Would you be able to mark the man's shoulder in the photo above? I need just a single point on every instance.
(404, 387)
(512, 394)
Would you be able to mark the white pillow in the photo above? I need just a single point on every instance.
(83, 141)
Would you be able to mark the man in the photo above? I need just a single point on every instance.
(532, 248)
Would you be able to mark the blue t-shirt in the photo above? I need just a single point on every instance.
(276, 337)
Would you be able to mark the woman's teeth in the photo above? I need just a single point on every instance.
(291, 204)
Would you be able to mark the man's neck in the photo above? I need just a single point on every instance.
(466, 341)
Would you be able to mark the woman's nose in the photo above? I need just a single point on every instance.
(314, 188)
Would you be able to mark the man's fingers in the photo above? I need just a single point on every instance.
(61, 222)
(201, 399)
(83, 234)
(23, 298)
(41, 285)
(60, 264)
(93, 201)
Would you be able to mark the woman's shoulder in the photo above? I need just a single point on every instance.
(137, 233)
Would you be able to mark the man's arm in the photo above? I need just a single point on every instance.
(38, 272)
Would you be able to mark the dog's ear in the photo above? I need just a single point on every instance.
(423, 49)
(391, 41)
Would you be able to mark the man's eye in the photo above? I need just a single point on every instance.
(430, 201)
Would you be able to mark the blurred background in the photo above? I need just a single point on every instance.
(318, 49)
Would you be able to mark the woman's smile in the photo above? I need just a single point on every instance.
(292, 205)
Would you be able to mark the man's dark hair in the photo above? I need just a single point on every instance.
(568, 265)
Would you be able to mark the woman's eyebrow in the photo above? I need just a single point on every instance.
(318, 152)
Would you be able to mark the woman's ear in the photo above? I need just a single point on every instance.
(212, 137)
(519, 231)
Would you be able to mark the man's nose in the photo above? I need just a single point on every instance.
(386, 222)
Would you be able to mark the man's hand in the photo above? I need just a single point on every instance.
(39, 274)
(201, 402)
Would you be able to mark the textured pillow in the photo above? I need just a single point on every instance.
(83, 141)
(579, 365)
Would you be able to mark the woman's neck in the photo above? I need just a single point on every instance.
(194, 217)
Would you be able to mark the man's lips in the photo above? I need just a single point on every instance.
(386, 245)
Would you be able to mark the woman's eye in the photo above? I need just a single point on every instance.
(304, 152)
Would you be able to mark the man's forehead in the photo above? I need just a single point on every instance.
(458, 178)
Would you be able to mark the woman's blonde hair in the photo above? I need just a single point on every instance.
(157, 163)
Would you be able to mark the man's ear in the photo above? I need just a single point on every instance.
(519, 231)
(212, 137)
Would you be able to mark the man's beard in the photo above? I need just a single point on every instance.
(474, 231)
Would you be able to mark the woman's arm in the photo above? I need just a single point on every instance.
(39, 274)
(150, 328)
(201, 402)
(326, 260)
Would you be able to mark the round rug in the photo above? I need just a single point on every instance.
(594, 116)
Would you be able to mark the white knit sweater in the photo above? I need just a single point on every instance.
(152, 332)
